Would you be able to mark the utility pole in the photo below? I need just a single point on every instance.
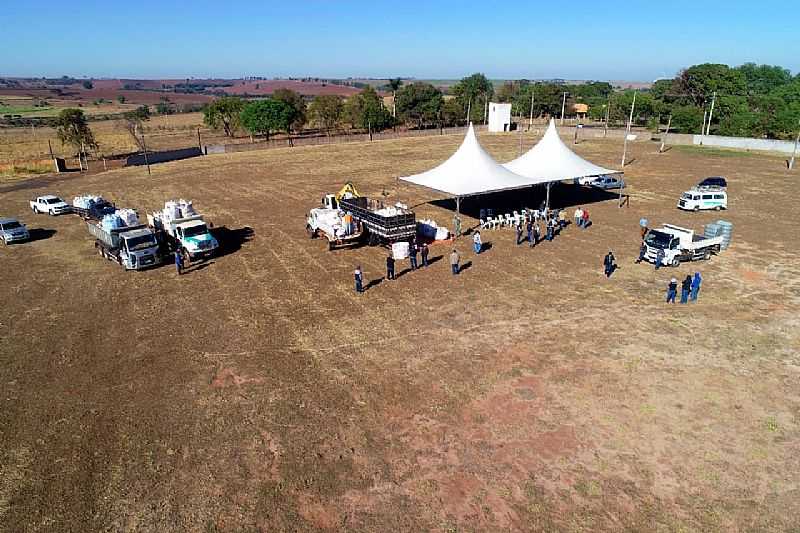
(80, 158)
(608, 112)
(144, 145)
(530, 121)
(703, 127)
(794, 152)
(469, 110)
(711, 113)
(486, 109)
(563, 105)
(52, 156)
(627, 132)
(664, 138)
(369, 129)
(199, 143)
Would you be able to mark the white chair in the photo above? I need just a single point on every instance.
(509, 220)
(517, 218)
(485, 223)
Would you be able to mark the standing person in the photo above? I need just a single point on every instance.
(562, 219)
(579, 217)
(529, 229)
(672, 290)
(696, 281)
(457, 226)
(550, 225)
(424, 254)
(659, 258)
(454, 259)
(390, 266)
(359, 277)
(643, 226)
(536, 234)
(585, 218)
(608, 263)
(642, 252)
(477, 244)
(412, 255)
(178, 262)
(518, 229)
(686, 286)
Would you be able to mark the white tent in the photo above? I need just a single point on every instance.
(469, 171)
(551, 160)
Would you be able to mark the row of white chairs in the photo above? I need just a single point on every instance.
(512, 219)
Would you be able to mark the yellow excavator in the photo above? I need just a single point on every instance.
(347, 188)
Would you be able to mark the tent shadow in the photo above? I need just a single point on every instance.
(562, 196)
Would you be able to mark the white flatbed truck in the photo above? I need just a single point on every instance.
(679, 244)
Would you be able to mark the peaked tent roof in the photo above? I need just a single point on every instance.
(470, 170)
(551, 160)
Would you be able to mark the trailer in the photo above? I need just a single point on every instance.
(384, 224)
(96, 212)
(132, 247)
(679, 244)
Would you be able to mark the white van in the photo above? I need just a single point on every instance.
(696, 199)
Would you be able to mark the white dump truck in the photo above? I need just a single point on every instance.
(50, 204)
(133, 247)
(184, 230)
(679, 244)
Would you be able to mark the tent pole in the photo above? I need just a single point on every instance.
(547, 202)
(458, 217)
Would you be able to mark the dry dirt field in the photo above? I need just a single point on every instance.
(259, 393)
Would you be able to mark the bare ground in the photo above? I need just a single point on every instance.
(260, 393)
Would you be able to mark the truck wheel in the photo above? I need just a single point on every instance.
(718, 208)
(331, 245)
(675, 262)
(36, 210)
(185, 256)
(312, 234)
(373, 240)
(696, 209)
(706, 255)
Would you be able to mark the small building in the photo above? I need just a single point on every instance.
(499, 117)
(580, 110)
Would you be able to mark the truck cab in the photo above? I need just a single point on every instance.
(194, 239)
(138, 249)
(703, 198)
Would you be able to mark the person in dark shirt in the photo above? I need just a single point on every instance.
(672, 290)
(695, 286)
(686, 287)
(608, 263)
(178, 262)
(424, 253)
(642, 252)
(412, 255)
(389, 266)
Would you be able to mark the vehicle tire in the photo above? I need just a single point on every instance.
(331, 246)
(373, 240)
(312, 234)
(675, 262)
(35, 210)
(696, 209)
(185, 256)
(718, 208)
(706, 255)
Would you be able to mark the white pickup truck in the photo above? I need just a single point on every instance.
(679, 244)
(52, 205)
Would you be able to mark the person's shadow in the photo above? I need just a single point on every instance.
(373, 283)
(464, 267)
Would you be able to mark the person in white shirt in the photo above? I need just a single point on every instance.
(476, 242)
(578, 216)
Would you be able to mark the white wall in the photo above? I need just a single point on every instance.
(499, 117)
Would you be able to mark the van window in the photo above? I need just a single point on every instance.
(718, 197)
(706, 197)
(695, 197)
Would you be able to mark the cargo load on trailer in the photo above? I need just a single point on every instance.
(125, 241)
(92, 207)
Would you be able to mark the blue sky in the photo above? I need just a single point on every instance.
(435, 39)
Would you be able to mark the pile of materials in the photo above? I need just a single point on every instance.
(432, 231)
(400, 250)
(720, 227)
(176, 209)
(87, 201)
(122, 218)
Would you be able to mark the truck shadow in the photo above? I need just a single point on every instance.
(40, 234)
(231, 240)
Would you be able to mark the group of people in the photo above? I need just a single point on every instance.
(413, 250)
(582, 217)
(690, 287)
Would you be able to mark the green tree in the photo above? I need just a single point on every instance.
(224, 113)
(133, 123)
(262, 117)
(88, 85)
(121, 99)
(687, 119)
(452, 113)
(419, 103)
(663, 89)
(326, 111)
(164, 106)
(72, 128)
(298, 105)
(763, 79)
(698, 82)
(365, 110)
(473, 93)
